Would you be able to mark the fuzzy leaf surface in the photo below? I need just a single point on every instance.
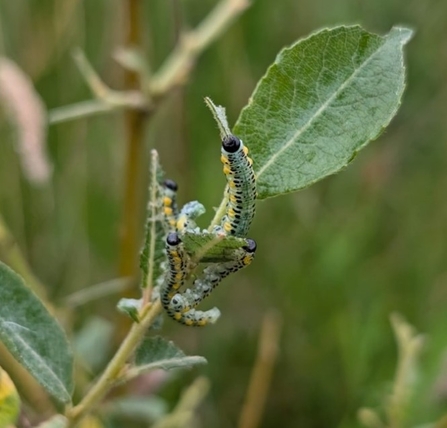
(152, 254)
(321, 101)
(158, 353)
(210, 247)
(34, 337)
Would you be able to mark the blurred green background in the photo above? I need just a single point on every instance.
(335, 260)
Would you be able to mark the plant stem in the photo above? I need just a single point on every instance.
(114, 369)
(87, 108)
(106, 99)
(135, 123)
(219, 212)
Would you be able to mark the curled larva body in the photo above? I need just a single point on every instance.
(241, 187)
(178, 262)
(211, 277)
(169, 204)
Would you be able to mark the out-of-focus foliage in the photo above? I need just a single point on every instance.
(34, 337)
(335, 259)
(9, 401)
(158, 353)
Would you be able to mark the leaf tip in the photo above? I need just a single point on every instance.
(404, 34)
(219, 116)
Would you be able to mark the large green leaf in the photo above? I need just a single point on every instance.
(34, 337)
(323, 99)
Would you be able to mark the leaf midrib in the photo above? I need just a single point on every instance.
(318, 113)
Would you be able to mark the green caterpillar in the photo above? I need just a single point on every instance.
(241, 187)
(181, 306)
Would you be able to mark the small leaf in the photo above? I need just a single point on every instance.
(323, 100)
(158, 353)
(9, 401)
(220, 117)
(34, 337)
(210, 248)
(130, 307)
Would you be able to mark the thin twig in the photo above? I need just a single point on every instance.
(116, 365)
(97, 291)
(219, 212)
(174, 72)
(106, 99)
(79, 110)
(176, 69)
(262, 372)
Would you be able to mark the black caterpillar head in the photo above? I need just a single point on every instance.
(171, 184)
(231, 143)
(251, 245)
(173, 239)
